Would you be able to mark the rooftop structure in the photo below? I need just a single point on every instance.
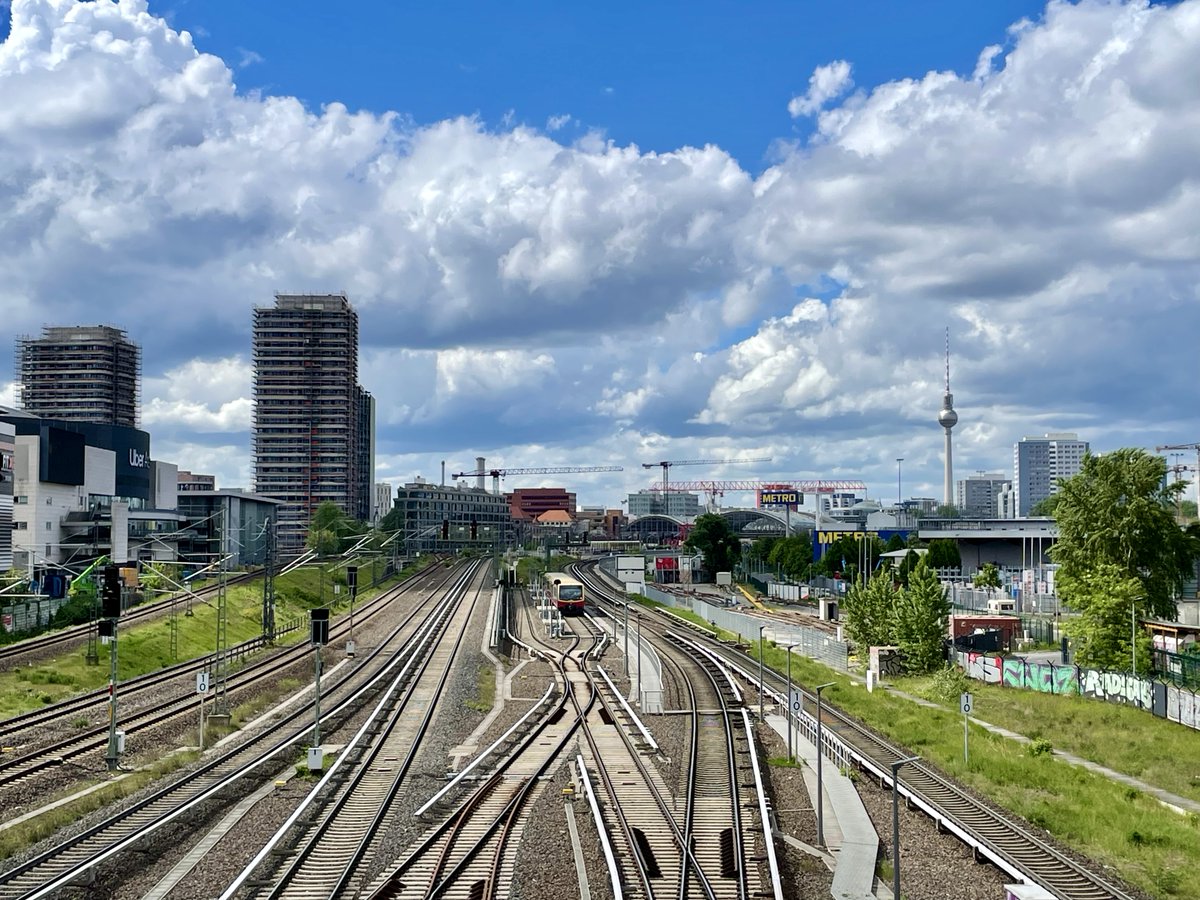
(81, 373)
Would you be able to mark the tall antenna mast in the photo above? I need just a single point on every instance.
(947, 360)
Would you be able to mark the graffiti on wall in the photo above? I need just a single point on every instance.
(1174, 703)
(1116, 687)
(984, 668)
(1045, 677)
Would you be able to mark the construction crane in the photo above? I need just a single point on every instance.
(497, 474)
(718, 488)
(1193, 446)
(668, 463)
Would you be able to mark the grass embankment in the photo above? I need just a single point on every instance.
(1146, 843)
(147, 648)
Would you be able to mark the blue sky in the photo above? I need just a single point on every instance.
(658, 75)
(625, 232)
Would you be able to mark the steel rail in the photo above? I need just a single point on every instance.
(999, 837)
(203, 784)
(26, 765)
(394, 703)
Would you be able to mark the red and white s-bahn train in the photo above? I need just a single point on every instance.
(565, 592)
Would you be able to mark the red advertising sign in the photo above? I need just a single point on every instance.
(666, 562)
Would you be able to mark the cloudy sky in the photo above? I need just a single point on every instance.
(607, 236)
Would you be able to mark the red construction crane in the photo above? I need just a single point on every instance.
(807, 487)
(497, 474)
(667, 463)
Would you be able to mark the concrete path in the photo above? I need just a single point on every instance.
(850, 835)
(1181, 805)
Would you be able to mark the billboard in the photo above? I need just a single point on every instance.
(780, 497)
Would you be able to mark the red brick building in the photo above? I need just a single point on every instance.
(527, 504)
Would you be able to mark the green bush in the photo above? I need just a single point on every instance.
(1040, 747)
(948, 683)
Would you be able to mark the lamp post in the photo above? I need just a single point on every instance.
(760, 672)
(896, 824)
(626, 630)
(899, 492)
(791, 754)
(821, 753)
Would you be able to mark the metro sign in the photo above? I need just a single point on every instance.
(780, 498)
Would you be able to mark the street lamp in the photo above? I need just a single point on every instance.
(760, 671)
(820, 753)
(899, 492)
(896, 824)
(791, 754)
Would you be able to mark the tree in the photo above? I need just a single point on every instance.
(943, 554)
(1107, 599)
(988, 577)
(895, 542)
(792, 555)
(1187, 509)
(1045, 507)
(1116, 515)
(846, 555)
(921, 614)
(328, 526)
(911, 560)
(870, 612)
(712, 537)
(947, 511)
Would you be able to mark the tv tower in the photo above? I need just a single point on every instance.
(948, 418)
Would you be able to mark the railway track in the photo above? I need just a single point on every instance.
(1010, 844)
(95, 853)
(25, 766)
(470, 853)
(11, 654)
(354, 809)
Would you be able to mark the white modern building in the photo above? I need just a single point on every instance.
(81, 490)
(1040, 462)
(384, 497)
(682, 505)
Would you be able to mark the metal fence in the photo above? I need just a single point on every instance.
(812, 642)
(1182, 669)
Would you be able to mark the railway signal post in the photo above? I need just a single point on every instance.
(319, 619)
(110, 608)
(966, 704)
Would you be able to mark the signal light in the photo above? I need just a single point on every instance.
(445, 529)
(474, 528)
(110, 594)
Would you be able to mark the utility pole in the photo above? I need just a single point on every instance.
(221, 702)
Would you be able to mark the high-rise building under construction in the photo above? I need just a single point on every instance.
(313, 423)
(80, 373)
